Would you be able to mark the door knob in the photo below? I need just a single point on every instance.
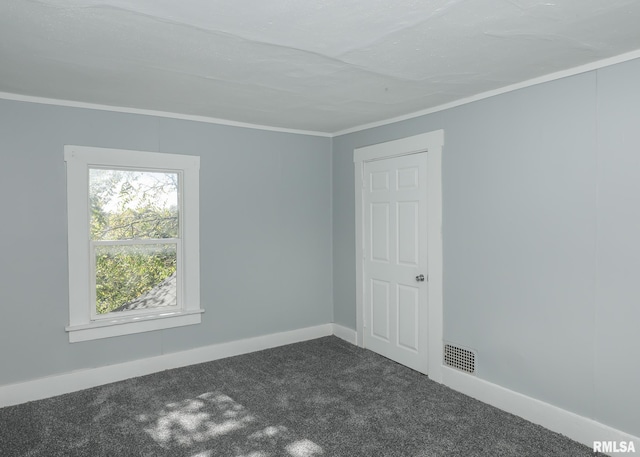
(420, 278)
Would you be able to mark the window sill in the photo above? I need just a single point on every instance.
(133, 324)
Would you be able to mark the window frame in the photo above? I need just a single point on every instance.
(83, 325)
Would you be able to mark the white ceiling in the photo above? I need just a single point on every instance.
(317, 65)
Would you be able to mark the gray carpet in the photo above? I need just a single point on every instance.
(318, 398)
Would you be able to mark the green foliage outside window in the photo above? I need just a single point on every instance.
(124, 273)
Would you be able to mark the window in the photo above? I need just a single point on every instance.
(133, 241)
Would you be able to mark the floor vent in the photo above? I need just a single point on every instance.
(460, 358)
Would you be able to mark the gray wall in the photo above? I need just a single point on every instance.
(541, 232)
(265, 228)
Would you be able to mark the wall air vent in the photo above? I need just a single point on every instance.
(460, 358)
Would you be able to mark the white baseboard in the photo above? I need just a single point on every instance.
(37, 389)
(578, 428)
(347, 334)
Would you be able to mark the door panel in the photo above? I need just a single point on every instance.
(379, 181)
(407, 178)
(408, 305)
(395, 304)
(407, 222)
(380, 309)
(379, 227)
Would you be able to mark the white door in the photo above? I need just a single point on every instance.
(395, 259)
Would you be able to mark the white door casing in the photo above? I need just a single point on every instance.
(396, 315)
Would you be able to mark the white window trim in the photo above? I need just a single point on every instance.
(81, 326)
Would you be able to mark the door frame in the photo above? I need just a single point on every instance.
(430, 143)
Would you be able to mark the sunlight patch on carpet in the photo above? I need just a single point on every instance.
(213, 414)
(304, 448)
(197, 420)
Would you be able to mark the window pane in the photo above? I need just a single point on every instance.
(135, 277)
(128, 204)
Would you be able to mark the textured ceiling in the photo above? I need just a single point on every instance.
(318, 65)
